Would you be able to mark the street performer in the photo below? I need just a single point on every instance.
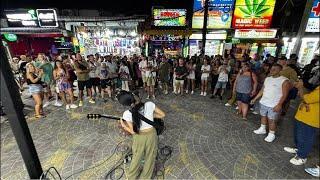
(145, 141)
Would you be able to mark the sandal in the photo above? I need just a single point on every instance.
(39, 116)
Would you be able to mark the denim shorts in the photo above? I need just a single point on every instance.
(244, 98)
(35, 88)
(268, 112)
(220, 84)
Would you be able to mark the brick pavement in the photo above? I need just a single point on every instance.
(209, 142)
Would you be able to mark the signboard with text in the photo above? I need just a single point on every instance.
(219, 14)
(31, 18)
(255, 33)
(169, 17)
(253, 13)
(313, 24)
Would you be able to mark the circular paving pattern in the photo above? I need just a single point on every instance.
(209, 141)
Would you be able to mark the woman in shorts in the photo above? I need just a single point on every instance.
(191, 66)
(34, 82)
(205, 70)
(60, 74)
(245, 88)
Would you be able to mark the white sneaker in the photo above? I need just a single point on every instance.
(237, 108)
(260, 131)
(255, 112)
(227, 105)
(187, 91)
(192, 92)
(73, 106)
(313, 171)
(297, 161)
(251, 109)
(153, 97)
(67, 107)
(271, 137)
(46, 104)
(201, 94)
(205, 94)
(148, 97)
(290, 150)
(58, 104)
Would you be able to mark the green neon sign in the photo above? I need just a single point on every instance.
(10, 37)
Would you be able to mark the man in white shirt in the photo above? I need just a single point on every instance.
(274, 93)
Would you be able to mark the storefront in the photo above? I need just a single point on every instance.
(214, 43)
(256, 42)
(108, 41)
(166, 42)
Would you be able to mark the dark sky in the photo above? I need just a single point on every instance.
(129, 7)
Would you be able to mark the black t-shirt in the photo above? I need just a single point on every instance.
(181, 70)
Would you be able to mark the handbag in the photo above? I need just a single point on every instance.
(157, 123)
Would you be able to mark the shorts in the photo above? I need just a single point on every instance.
(268, 112)
(150, 81)
(95, 81)
(181, 82)
(243, 97)
(222, 85)
(82, 84)
(106, 83)
(204, 77)
(191, 76)
(35, 88)
(63, 86)
(144, 79)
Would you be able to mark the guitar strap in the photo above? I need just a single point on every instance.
(152, 123)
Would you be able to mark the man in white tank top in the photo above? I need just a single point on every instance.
(274, 93)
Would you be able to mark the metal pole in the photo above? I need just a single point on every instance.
(204, 28)
(13, 107)
(303, 25)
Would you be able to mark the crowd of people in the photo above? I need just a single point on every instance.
(275, 81)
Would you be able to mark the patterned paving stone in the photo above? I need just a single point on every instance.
(209, 141)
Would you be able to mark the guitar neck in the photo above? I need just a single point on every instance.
(110, 117)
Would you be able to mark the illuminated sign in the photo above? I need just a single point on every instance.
(313, 24)
(10, 37)
(31, 18)
(169, 17)
(21, 18)
(219, 14)
(209, 36)
(47, 17)
(253, 13)
(255, 33)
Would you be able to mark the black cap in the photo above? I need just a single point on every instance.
(126, 98)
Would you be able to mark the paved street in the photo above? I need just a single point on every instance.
(208, 140)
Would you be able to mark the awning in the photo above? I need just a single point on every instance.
(168, 32)
(34, 30)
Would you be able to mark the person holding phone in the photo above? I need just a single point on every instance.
(145, 140)
(34, 82)
(305, 125)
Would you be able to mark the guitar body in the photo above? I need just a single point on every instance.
(160, 125)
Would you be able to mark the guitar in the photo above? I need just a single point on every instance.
(158, 124)
(98, 116)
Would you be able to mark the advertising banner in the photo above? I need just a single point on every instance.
(314, 18)
(255, 33)
(219, 14)
(169, 17)
(253, 13)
